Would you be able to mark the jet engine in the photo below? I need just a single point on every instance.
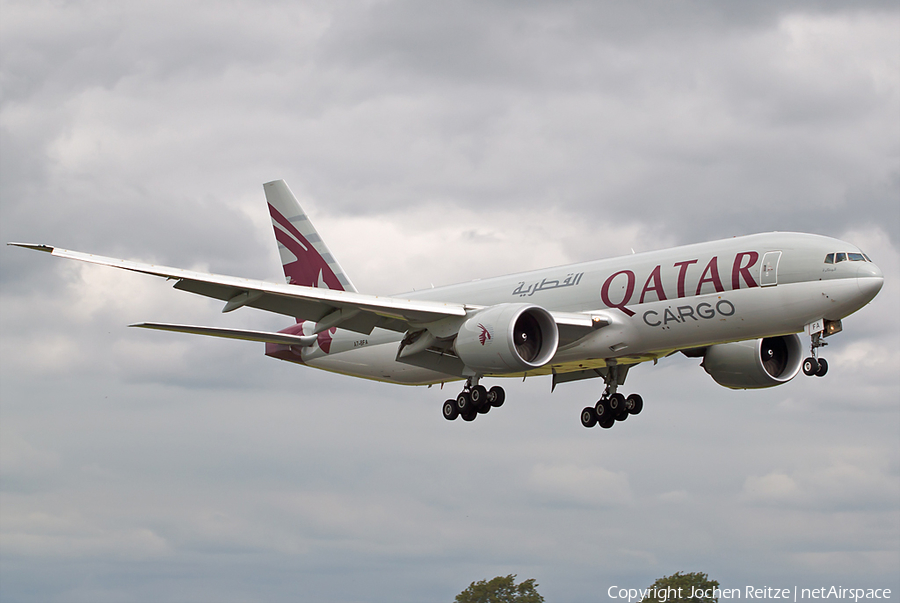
(755, 363)
(507, 338)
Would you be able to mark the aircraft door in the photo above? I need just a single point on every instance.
(768, 272)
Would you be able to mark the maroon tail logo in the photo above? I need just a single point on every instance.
(485, 335)
(310, 269)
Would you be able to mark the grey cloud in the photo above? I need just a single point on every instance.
(141, 466)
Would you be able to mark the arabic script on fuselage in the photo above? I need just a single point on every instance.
(572, 279)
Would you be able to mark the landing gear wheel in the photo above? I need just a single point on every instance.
(464, 404)
(810, 366)
(469, 416)
(496, 396)
(616, 404)
(823, 368)
(484, 408)
(603, 410)
(588, 417)
(478, 395)
(451, 411)
(634, 403)
(607, 422)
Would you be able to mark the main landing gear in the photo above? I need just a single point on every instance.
(815, 366)
(474, 400)
(612, 406)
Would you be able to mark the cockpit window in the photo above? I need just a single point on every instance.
(834, 258)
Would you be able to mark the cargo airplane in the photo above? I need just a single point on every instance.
(737, 303)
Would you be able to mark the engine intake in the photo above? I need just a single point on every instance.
(755, 363)
(507, 338)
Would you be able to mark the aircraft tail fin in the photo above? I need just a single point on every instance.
(305, 258)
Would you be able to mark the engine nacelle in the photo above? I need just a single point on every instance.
(755, 363)
(507, 338)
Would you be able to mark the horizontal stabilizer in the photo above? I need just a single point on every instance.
(263, 336)
(36, 247)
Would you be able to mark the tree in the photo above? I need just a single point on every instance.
(695, 587)
(502, 589)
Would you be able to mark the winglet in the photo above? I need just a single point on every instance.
(35, 246)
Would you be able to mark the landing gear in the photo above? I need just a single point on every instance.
(635, 404)
(603, 410)
(474, 400)
(588, 417)
(810, 366)
(815, 366)
(464, 402)
(612, 406)
(451, 410)
(478, 395)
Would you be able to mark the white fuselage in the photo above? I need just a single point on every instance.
(656, 302)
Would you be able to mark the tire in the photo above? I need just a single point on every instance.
(810, 366)
(617, 404)
(469, 416)
(451, 411)
(484, 408)
(496, 396)
(588, 417)
(634, 403)
(607, 423)
(823, 368)
(602, 409)
(478, 395)
(464, 403)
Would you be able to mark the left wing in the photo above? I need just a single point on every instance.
(326, 307)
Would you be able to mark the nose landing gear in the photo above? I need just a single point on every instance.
(815, 366)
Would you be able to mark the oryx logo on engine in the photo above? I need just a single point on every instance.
(485, 335)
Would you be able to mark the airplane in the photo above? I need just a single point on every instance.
(738, 304)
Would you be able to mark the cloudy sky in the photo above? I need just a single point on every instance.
(430, 143)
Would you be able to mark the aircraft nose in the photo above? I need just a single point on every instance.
(869, 279)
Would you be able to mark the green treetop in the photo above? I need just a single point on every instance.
(666, 589)
(502, 589)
